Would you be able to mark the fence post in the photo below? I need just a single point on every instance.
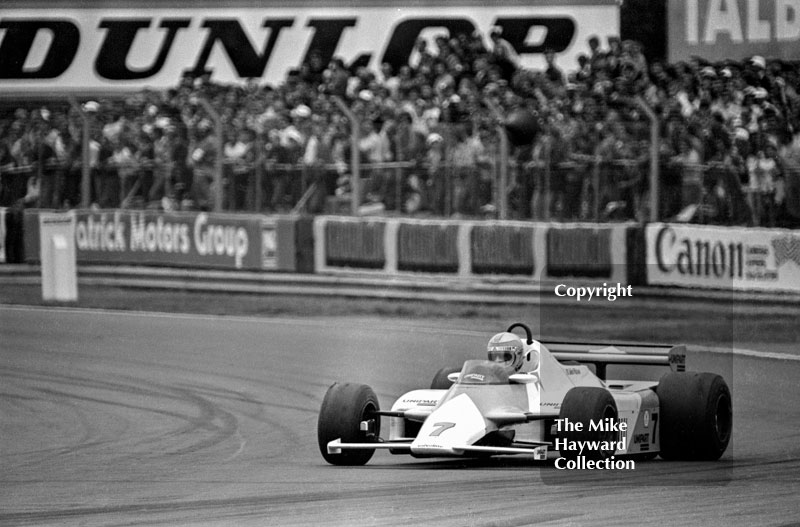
(355, 159)
(596, 188)
(398, 188)
(548, 176)
(258, 173)
(86, 170)
(218, 160)
(655, 149)
(502, 206)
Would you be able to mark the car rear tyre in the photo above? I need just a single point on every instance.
(584, 405)
(344, 408)
(696, 416)
(440, 380)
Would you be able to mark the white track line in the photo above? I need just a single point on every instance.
(338, 323)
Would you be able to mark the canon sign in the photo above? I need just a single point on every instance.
(130, 48)
(723, 257)
(698, 256)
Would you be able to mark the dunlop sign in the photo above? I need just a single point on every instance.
(723, 257)
(127, 48)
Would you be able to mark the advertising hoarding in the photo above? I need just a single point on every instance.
(191, 239)
(723, 257)
(100, 47)
(733, 29)
(57, 249)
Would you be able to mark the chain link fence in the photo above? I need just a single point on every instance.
(575, 170)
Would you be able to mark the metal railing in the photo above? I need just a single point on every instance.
(571, 186)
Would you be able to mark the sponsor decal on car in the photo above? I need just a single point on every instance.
(420, 402)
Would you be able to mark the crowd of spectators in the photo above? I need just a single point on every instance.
(729, 149)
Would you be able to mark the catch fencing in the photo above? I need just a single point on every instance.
(470, 169)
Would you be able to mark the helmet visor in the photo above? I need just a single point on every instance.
(505, 357)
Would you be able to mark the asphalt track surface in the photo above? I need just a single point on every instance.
(119, 418)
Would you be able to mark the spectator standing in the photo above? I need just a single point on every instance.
(467, 156)
(316, 156)
(181, 173)
(371, 149)
(7, 196)
(48, 166)
(765, 172)
(162, 167)
(123, 162)
(104, 177)
(203, 158)
(596, 55)
(145, 161)
(336, 78)
(503, 54)
(239, 165)
(69, 153)
(552, 71)
(437, 174)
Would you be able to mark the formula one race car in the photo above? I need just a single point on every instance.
(533, 398)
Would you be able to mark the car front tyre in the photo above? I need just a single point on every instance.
(440, 380)
(583, 405)
(344, 408)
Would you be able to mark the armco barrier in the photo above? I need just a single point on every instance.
(502, 248)
(290, 246)
(186, 239)
(543, 251)
(579, 251)
(582, 250)
(13, 240)
(636, 261)
(350, 243)
(428, 246)
(388, 245)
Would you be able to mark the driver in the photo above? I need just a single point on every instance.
(507, 349)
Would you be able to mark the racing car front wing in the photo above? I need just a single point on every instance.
(538, 449)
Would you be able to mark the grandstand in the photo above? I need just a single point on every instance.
(462, 128)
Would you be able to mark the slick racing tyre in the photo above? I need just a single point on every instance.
(344, 408)
(584, 405)
(696, 416)
(440, 380)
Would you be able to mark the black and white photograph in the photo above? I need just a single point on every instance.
(389, 262)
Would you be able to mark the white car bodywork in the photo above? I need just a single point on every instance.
(515, 413)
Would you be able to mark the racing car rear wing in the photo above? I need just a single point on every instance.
(603, 354)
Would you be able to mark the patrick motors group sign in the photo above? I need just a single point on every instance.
(149, 237)
(723, 257)
(124, 48)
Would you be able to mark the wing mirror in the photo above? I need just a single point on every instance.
(523, 378)
(453, 377)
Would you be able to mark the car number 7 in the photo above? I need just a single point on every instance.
(441, 428)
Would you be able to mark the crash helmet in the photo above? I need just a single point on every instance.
(506, 349)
